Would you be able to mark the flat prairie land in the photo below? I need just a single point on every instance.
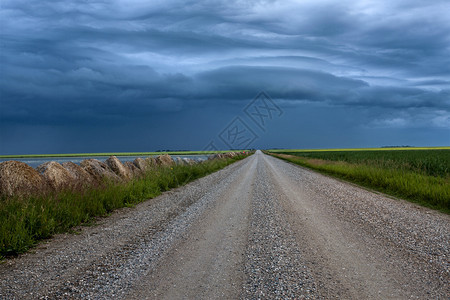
(421, 175)
(116, 154)
(260, 228)
(359, 149)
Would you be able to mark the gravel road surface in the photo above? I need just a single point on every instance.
(261, 228)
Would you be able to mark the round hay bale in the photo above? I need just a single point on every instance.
(19, 179)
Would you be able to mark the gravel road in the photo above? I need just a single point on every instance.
(261, 228)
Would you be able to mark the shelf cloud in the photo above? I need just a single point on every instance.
(66, 67)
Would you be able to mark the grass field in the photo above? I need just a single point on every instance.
(358, 149)
(23, 222)
(418, 175)
(116, 154)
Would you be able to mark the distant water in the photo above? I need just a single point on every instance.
(34, 162)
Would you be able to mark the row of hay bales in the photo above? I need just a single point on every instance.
(225, 155)
(19, 179)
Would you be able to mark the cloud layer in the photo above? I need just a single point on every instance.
(98, 62)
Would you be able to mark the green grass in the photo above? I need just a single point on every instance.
(358, 149)
(421, 176)
(426, 162)
(115, 154)
(24, 222)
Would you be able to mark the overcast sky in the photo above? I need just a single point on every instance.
(135, 75)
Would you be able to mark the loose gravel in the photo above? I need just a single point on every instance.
(261, 228)
(364, 245)
(104, 261)
(274, 264)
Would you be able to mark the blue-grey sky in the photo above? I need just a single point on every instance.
(135, 75)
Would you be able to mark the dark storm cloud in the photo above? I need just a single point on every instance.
(89, 62)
